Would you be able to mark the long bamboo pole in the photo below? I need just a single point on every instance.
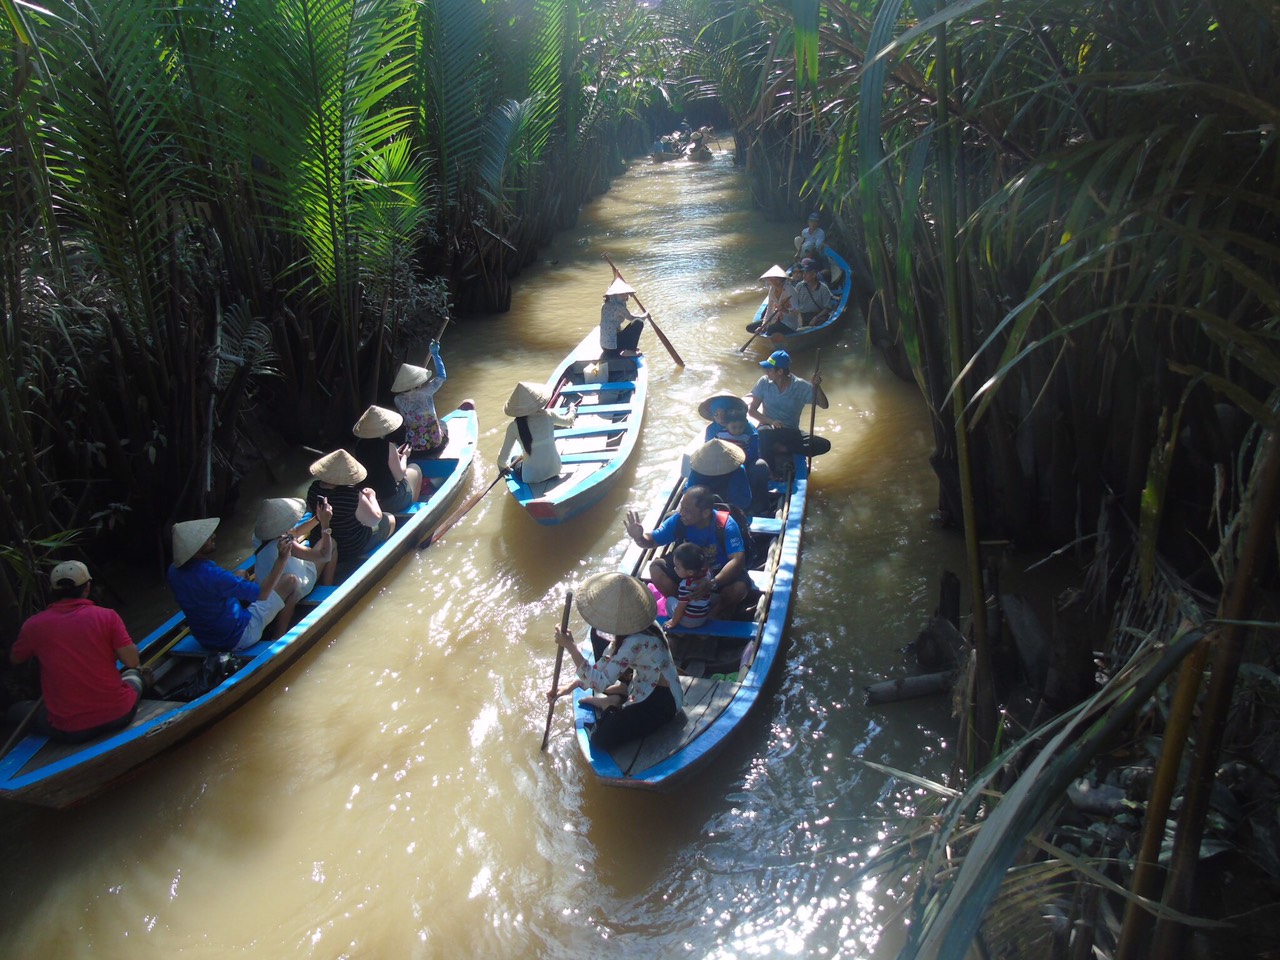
(555, 677)
(652, 322)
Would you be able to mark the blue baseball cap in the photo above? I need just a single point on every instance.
(779, 359)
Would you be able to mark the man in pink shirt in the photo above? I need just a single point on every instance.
(77, 644)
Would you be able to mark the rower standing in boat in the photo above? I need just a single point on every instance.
(813, 298)
(777, 400)
(533, 429)
(623, 607)
(620, 329)
(395, 480)
(214, 599)
(77, 644)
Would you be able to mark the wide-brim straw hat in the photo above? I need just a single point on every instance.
(707, 408)
(189, 536)
(715, 458)
(339, 468)
(277, 516)
(616, 603)
(526, 399)
(775, 271)
(408, 377)
(619, 288)
(377, 422)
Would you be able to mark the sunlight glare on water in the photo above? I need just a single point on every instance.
(387, 797)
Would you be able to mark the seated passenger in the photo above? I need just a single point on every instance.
(717, 465)
(359, 522)
(77, 644)
(224, 610)
(691, 568)
(534, 430)
(777, 400)
(622, 607)
(415, 397)
(714, 531)
(395, 480)
(728, 415)
(813, 298)
(279, 518)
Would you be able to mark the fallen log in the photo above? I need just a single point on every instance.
(909, 688)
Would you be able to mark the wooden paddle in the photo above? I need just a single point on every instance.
(743, 348)
(555, 678)
(21, 732)
(458, 514)
(652, 322)
(813, 411)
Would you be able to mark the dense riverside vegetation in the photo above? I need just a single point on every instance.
(1062, 218)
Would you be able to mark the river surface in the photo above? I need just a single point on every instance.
(387, 798)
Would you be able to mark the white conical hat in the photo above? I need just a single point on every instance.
(715, 458)
(616, 603)
(339, 468)
(526, 399)
(377, 422)
(619, 287)
(774, 271)
(189, 536)
(278, 515)
(408, 377)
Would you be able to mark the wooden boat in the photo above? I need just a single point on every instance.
(610, 395)
(194, 688)
(724, 664)
(824, 332)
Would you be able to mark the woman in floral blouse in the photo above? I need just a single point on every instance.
(622, 606)
(415, 397)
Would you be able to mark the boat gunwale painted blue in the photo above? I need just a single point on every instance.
(260, 670)
(568, 501)
(816, 336)
(667, 773)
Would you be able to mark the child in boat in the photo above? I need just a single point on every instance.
(691, 568)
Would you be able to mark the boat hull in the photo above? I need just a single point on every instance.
(719, 699)
(824, 333)
(43, 773)
(611, 396)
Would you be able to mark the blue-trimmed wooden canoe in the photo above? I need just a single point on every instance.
(823, 333)
(51, 774)
(611, 396)
(724, 664)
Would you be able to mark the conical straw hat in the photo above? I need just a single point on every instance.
(616, 603)
(278, 515)
(339, 468)
(377, 422)
(774, 271)
(527, 398)
(189, 536)
(715, 458)
(707, 408)
(408, 377)
(619, 287)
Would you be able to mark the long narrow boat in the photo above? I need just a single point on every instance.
(610, 395)
(822, 333)
(724, 664)
(193, 688)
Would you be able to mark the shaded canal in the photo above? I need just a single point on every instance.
(387, 797)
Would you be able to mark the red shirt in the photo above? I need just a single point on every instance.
(76, 642)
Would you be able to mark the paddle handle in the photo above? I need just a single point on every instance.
(652, 322)
(555, 678)
(813, 410)
(458, 514)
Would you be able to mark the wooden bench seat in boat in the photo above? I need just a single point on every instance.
(621, 386)
(591, 431)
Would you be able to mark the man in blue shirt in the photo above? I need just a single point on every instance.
(777, 400)
(698, 522)
(224, 611)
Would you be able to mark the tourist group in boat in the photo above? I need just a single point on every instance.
(694, 614)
